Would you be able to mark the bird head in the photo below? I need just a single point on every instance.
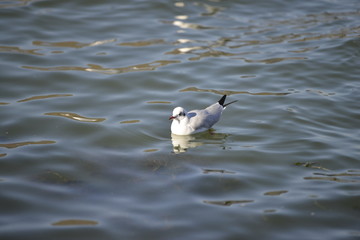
(178, 113)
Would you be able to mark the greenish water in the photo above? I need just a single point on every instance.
(87, 88)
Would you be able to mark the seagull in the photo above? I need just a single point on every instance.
(186, 123)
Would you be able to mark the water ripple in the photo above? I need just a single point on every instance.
(12, 49)
(40, 97)
(159, 102)
(345, 177)
(99, 69)
(143, 43)
(253, 36)
(275, 193)
(273, 60)
(75, 222)
(72, 44)
(55, 178)
(229, 92)
(76, 117)
(207, 171)
(185, 25)
(16, 3)
(282, 160)
(228, 203)
(130, 121)
(210, 10)
(20, 144)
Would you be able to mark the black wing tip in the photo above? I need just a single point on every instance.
(222, 100)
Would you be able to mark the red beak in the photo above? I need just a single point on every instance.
(171, 117)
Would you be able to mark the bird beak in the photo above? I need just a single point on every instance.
(171, 117)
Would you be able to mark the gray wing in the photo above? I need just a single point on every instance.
(205, 118)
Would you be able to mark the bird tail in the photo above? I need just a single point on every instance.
(229, 103)
(222, 101)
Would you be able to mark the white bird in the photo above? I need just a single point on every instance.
(186, 123)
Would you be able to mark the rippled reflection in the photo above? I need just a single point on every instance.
(74, 222)
(179, 4)
(55, 177)
(142, 43)
(130, 121)
(20, 144)
(319, 92)
(159, 102)
(210, 10)
(228, 203)
(310, 164)
(76, 117)
(17, 3)
(181, 143)
(44, 97)
(275, 193)
(181, 17)
(11, 49)
(72, 44)
(273, 60)
(182, 24)
(345, 177)
(151, 150)
(207, 171)
(253, 35)
(185, 50)
(303, 50)
(99, 69)
(228, 92)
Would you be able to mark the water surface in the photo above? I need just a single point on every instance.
(87, 88)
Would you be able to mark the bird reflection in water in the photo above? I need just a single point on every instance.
(181, 143)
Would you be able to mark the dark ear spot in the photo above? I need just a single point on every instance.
(182, 114)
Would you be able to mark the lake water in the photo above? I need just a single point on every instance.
(87, 88)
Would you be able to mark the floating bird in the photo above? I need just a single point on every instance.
(186, 123)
